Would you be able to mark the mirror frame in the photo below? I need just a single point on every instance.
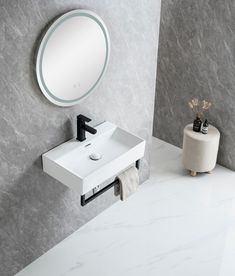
(79, 12)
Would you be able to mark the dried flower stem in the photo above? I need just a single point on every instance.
(199, 107)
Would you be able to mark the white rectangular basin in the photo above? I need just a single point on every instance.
(71, 165)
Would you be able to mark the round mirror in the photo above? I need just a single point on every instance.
(72, 57)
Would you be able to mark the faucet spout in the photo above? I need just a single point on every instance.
(90, 129)
(82, 127)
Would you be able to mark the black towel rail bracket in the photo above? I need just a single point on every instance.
(85, 200)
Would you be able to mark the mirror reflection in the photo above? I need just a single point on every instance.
(72, 57)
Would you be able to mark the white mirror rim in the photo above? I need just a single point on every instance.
(41, 76)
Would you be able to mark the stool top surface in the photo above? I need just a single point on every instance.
(212, 133)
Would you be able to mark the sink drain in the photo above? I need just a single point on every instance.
(95, 156)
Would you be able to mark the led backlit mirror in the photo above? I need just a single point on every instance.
(72, 57)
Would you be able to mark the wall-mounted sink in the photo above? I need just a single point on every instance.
(71, 162)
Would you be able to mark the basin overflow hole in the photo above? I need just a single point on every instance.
(87, 145)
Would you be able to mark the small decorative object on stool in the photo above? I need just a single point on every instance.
(205, 127)
(197, 123)
(198, 107)
(200, 151)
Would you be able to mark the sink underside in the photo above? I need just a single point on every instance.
(70, 162)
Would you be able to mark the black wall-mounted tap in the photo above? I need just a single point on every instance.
(82, 127)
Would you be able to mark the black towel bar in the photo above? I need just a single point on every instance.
(85, 200)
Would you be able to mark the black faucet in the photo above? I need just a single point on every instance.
(82, 127)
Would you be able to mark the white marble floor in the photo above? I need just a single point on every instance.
(175, 225)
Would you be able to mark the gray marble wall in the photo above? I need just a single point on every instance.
(197, 59)
(37, 212)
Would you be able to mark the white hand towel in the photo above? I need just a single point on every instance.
(129, 182)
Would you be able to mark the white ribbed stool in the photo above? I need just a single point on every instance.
(200, 150)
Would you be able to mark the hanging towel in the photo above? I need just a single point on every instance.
(129, 182)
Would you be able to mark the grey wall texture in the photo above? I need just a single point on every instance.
(196, 58)
(37, 212)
